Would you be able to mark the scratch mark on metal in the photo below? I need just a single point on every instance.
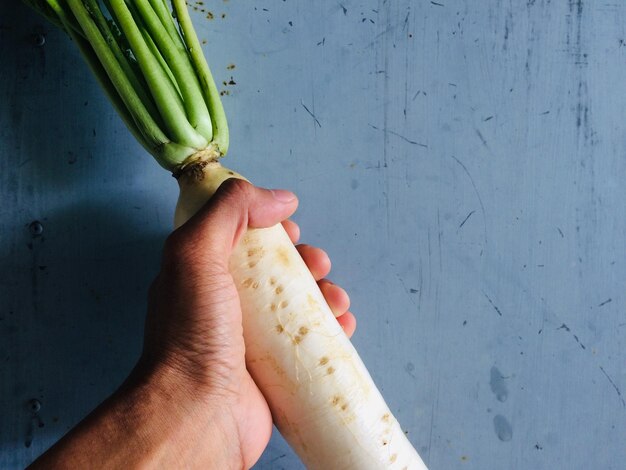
(480, 200)
(281, 456)
(387, 131)
(578, 341)
(495, 307)
(466, 218)
(311, 114)
(406, 20)
(408, 290)
(607, 301)
(481, 137)
(617, 390)
(567, 328)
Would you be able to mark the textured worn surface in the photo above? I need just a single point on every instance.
(461, 161)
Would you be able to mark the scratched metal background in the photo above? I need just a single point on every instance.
(461, 161)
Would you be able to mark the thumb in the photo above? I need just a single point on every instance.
(217, 228)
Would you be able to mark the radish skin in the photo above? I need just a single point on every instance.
(321, 396)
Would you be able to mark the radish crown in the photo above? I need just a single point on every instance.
(150, 63)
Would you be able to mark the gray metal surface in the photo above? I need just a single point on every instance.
(461, 161)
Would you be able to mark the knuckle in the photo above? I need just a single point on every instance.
(237, 189)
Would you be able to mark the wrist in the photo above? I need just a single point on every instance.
(179, 423)
(152, 421)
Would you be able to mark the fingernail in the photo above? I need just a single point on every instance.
(282, 195)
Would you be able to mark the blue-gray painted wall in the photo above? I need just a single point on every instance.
(462, 162)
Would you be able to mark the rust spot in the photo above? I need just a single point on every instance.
(283, 304)
(303, 330)
(247, 282)
(272, 281)
(330, 370)
(335, 400)
(384, 442)
(279, 329)
(296, 339)
(344, 407)
(279, 290)
(283, 256)
(393, 458)
(323, 361)
(252, 264)
(255, 285)
(273, 307)
(386, 417)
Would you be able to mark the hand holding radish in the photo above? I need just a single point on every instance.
(194, 320)
(192, 374)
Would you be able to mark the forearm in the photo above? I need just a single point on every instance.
(151, 422)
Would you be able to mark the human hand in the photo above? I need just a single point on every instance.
(194, 324)
(190, 401)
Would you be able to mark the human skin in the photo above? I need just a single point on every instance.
(190, 402)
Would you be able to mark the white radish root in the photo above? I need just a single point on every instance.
(321, 396)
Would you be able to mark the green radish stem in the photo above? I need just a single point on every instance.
(162, 86)
(165, 95)
(211, 95)
(176, 56)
